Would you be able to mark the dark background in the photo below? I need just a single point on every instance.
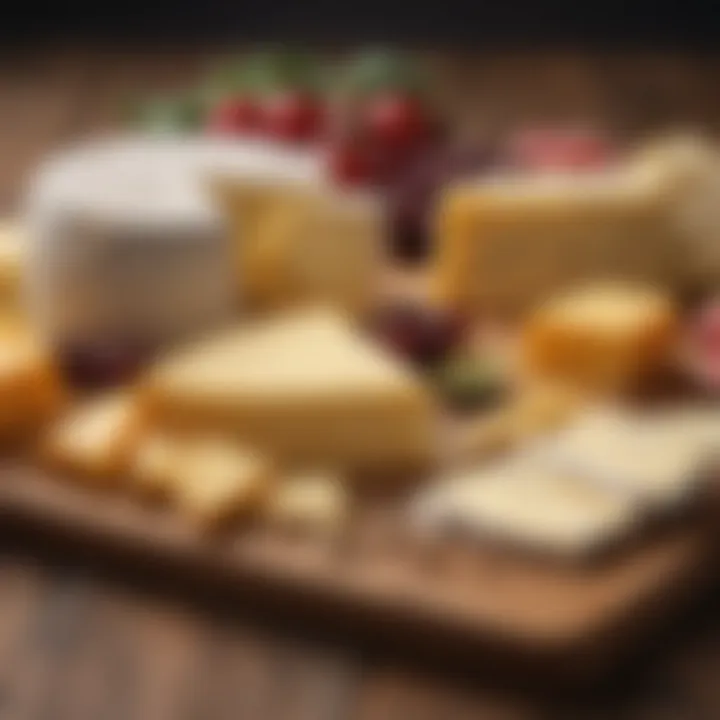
(473, 24)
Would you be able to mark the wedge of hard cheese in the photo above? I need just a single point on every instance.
(506, 243)
(298, 242)
(306, 388)
(518, 502)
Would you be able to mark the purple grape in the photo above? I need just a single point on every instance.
(102, 364)
(413, 194)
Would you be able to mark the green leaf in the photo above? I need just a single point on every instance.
(175, 114)
(381, 70)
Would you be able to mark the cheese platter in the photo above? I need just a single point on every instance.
(215, 361)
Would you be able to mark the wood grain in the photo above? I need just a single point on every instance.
(80, 642)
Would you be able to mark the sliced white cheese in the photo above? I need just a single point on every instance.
(656, 456)
(520, 502)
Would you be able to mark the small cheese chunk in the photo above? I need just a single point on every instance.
(518, 502)
(315, 501)
(218, 480)
(306, 388)
(97, 439)
(154, 465)
(602, 337)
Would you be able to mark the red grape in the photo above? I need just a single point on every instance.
(294, 116)
(234, 115)
(397, 122)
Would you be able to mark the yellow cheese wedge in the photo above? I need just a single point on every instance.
(218, 480)
(299, 243)
(601, 337)
(96, 440)
(507, 243)
(306, 388)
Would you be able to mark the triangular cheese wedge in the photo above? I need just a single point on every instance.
(304, 387)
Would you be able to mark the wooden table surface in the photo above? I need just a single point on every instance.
(82, 640)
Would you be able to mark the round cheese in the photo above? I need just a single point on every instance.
(125, 242)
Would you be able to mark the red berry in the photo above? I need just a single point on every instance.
(234, 115)
(542, 149)
(294, 116)
(397, 122)
(707, 330)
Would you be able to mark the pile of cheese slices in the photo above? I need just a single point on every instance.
(256, 276)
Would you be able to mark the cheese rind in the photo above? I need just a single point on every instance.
(304, 387)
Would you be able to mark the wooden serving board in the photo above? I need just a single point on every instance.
(478, 603)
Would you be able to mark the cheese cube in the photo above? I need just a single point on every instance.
(603, 337)
(96, 440)
(313, 501)
(302, 242)
(504, 244)
(523, 504)
(154, 464)
(218, 480)
(306, 388)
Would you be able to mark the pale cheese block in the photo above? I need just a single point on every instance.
(125, 241)
(602, 337)
(656, 457)
(218, 480)
(31, 389)
(313, 501)
(505, 243)
(518, 502)
(304, 242)
(306, 388)
(96, 440)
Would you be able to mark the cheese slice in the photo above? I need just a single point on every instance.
(303, 242)
(656, 457)
(521, 503)
(506, 243)
(609, 336)
(218, 480)
(96, 440)
(304, 387)
(154, 464)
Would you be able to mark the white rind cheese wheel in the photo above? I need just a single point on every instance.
(125, 243)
